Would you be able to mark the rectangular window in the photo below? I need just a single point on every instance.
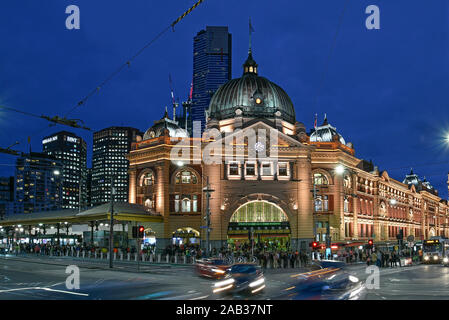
(266, 169)
(195, 203)
(250, 169)
(177, 203)
(283, 172)
(186, 177)
(234, 169)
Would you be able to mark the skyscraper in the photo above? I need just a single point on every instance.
(38, 183)
(6, 195)
(211, 67)
(72, 151)
(109, 160)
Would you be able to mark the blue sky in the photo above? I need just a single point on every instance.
(385, 90)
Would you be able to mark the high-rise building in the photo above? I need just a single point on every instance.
(89, 187)
(211, 67)
(6, 195)
(72, 151)
(38, 183)
(109, 160)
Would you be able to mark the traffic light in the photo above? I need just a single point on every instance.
(141, 231)
(134, 232)
(315, 245)
(370, 242)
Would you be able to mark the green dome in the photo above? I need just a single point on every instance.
(255, 96)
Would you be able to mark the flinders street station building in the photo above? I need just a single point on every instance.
(271, 180)
(255, 174)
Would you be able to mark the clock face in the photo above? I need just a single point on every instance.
(259, 146)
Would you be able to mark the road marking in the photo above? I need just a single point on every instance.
(198, 298)
(46, 289)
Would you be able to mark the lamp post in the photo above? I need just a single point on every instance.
(111, 225)
(207, 190)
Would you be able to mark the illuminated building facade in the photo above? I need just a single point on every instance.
(109, 159)
(71, 150)
(38, 183)
(282, 185)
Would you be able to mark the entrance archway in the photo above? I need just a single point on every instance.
(259, 222)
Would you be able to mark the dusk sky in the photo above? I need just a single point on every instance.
(386, 90)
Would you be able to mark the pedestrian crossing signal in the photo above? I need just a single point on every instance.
(370, 242)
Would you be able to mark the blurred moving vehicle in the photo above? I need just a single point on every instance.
(4, 249)
(242, 278)
(328, 280)
(211, 268)
(445, 261)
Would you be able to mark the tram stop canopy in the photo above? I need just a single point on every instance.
(123, 211)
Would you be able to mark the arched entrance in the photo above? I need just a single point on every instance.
(186, 235)
(261, 221)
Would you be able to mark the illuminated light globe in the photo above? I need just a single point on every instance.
(259, 147)
(340, 169)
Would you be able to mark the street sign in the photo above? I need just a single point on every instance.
(410, 238)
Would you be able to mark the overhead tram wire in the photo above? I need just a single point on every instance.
(334, 42)
(128, 62)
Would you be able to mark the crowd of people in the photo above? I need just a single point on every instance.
(266, 254)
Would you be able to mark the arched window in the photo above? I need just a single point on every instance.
(147, 179)
(320, 179)
(259, 211)
(186, 177)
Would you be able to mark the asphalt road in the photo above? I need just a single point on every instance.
(25, 278)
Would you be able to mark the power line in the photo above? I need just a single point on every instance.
(128, 62)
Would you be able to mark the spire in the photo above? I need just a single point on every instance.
(250, 66)
(166, 113)
(411, 171)
(325, 122)
(251, 30)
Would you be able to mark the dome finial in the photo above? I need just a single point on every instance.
(325, 122)
(250, 65)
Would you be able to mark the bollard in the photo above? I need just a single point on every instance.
(121, 255)
(185, 259)
(166, 258)
(95, 255)
(136, 255)
(107, 256)
(84, 254)
(151, 257)
(159, 258)
(143, 257)
(115, 255)
(89, 255)
(67, 253)
(193, 260)
(101, 255)
(176, 259)
(129, 256)
(78, 254)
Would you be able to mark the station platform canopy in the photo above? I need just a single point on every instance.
(123, 211)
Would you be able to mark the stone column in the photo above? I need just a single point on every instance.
(304, 218)
(355, 207)
(132, 185)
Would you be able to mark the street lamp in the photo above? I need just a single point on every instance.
(393, 202)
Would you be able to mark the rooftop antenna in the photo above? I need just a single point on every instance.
(175, 104)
